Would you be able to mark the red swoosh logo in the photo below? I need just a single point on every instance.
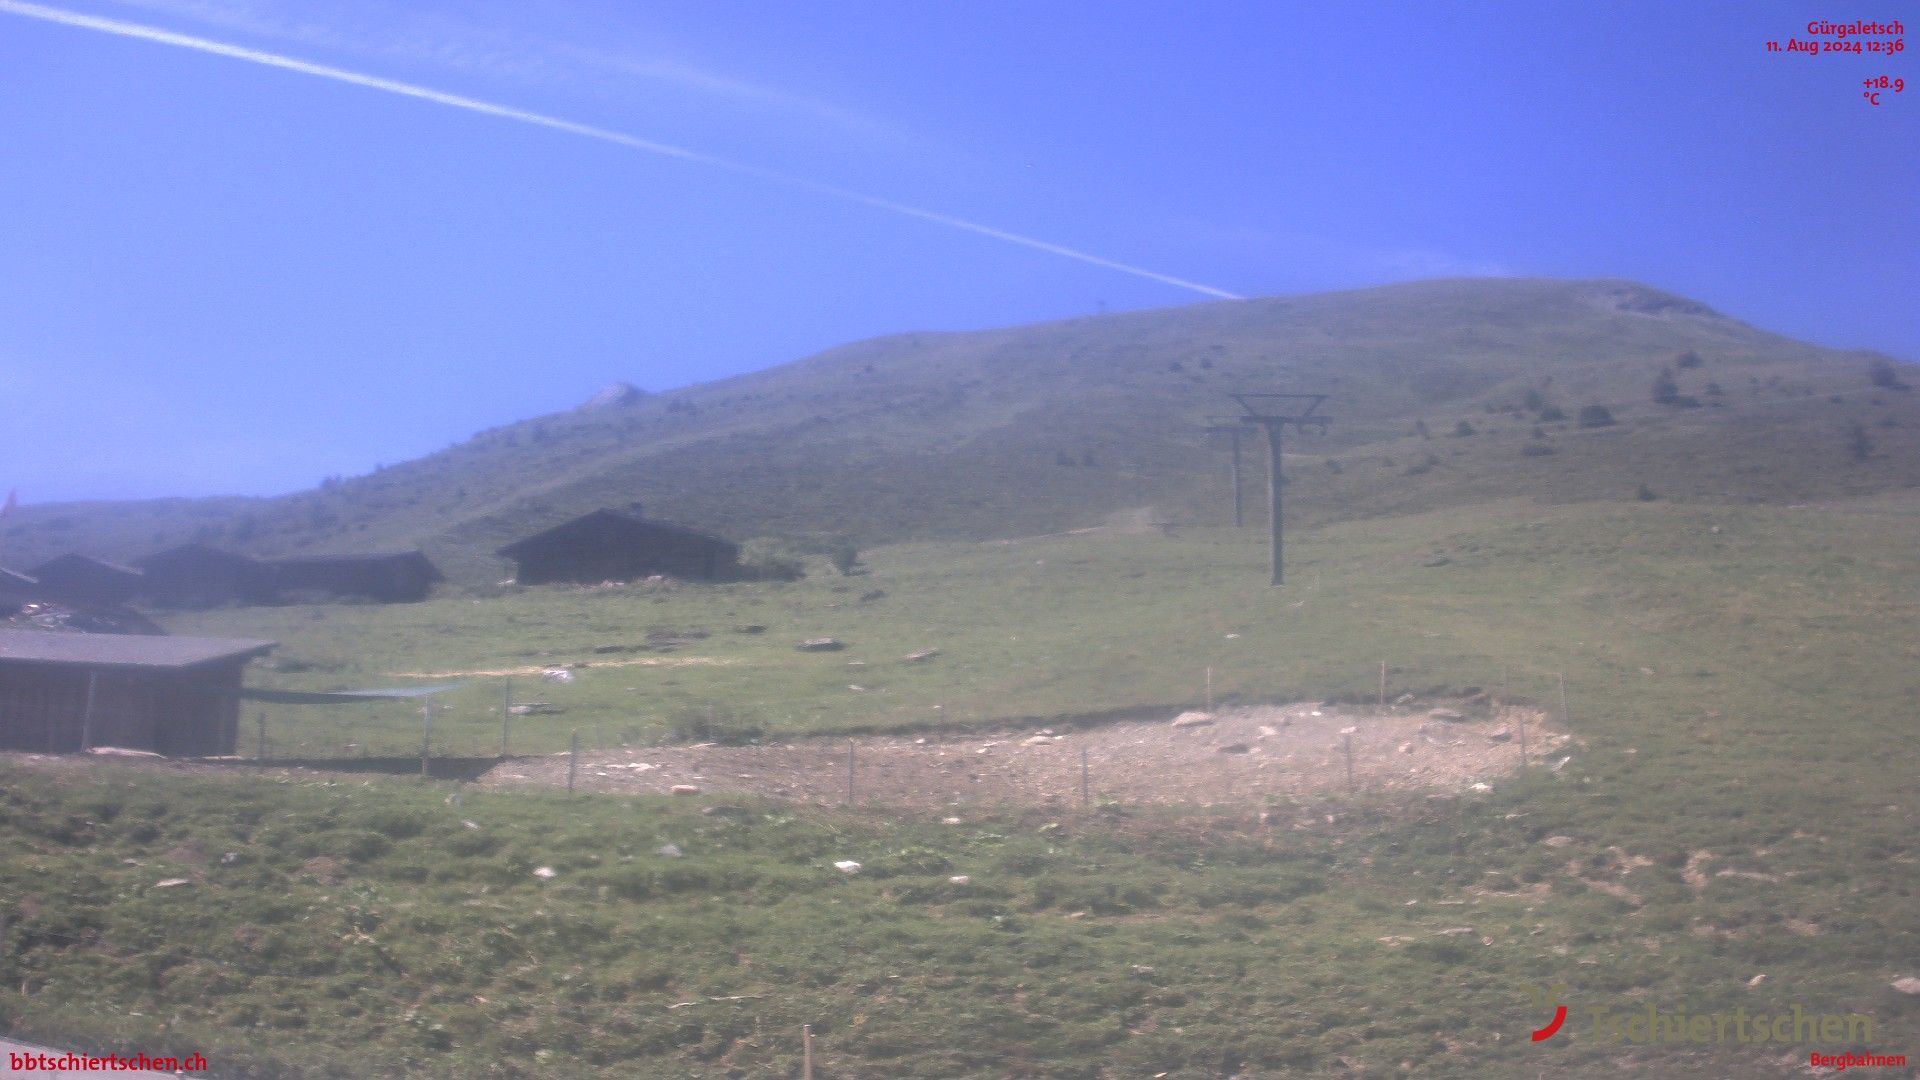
(1545, 1033)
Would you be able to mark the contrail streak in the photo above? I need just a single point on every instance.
(487, 108)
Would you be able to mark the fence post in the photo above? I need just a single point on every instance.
(426, 736)
(573, 761)
(86, 718)
(506, 713)
(1346, 738)
(849, 772)
(806, 1052)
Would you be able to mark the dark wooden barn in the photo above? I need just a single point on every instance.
(389, 576)
(85, 578)
(61, 693)
(198, 576)
(607, 545)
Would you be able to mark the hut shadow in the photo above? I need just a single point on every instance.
(439, 768)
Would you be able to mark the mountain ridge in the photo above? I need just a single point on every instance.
(1026, 429)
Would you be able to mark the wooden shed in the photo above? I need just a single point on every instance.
(198, 576)
(388, 576)
(61, 693)
(83, 577)
(607, 545)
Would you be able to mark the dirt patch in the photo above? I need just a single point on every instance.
(539, 669)
(1242, 756)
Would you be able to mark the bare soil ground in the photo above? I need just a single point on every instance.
(1241, 757)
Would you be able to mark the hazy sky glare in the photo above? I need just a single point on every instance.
(242, 279)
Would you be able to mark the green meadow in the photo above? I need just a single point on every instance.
(1735, 828)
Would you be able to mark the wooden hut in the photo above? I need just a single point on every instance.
(85, 578)
(607, 545)
(60, 693)
(388, 576)
(198, 576)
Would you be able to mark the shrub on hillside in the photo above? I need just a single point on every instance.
(1859, 443)
(1688, 359)
(1552, 413)
(1665, 390)
(1884, 375)
(770, 559)
(1463, 429)
(1592, 416)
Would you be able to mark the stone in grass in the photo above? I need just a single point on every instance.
(820, 644)
(1500, 735)
(670, 851)
(1233, 748)
(685, 789)
(1558, 841)
(1193, 718)
(922, 655)
(1907, 985)
(544, 873)
(847, 866)
(1451, 716)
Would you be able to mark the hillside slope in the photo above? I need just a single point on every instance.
(1044, 427)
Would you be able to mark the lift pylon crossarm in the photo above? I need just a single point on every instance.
(1274, 412)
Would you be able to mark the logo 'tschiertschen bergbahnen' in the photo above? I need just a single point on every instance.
(1650, 1023)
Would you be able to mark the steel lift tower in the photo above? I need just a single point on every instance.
(1274, 412)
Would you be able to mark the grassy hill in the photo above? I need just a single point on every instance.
(1040, 428)
(1734, 828)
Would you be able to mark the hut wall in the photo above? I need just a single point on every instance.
(190, 712)
(592, 560)
(389, 580)
(207, 584)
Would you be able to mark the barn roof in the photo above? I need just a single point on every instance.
(122, 650)
(605, 523)
(194, 551)
(353, 558)
(76, 561)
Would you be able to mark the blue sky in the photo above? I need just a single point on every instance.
(223, 277)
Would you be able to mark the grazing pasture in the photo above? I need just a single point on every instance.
(1733, 827)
